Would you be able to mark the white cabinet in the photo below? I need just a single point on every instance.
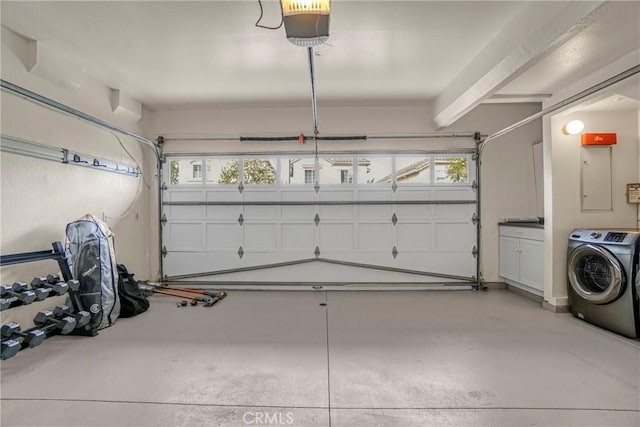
(522, 258)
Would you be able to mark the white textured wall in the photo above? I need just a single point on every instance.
(507, 177)
(40, 197)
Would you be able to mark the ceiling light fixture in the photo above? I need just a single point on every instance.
(306, 22)
(574, 127)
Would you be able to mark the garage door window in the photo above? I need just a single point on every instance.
(309, 176)
(197, 172)
(413, 169)
(297, 170)
(185, 172)
(374, 170)
(222, 171)
(336, 170)
(451, 169)
(259, 171)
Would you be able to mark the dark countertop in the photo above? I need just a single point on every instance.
(522, 224)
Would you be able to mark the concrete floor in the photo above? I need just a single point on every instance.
(365, 359)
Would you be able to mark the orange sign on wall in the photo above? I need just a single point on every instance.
(599, 139)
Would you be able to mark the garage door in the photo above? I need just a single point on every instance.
(331, 218)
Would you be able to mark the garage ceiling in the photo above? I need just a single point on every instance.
(452, 55)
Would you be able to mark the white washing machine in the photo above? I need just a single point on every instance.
(604, 278)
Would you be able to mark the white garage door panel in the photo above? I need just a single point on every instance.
(260, 194)
(329, 213)
(414, 194)
(383, 195)
(299, 212)
(415, 236)
(226, 193)
(422, 224)
(336, 237)
(223, 236)
(461, 193)
(332, 194)
(186, 236)
(298, 237)
(377, 237)
(229, 213)
(453, 237)
(185, 196)
(260, 237)
(186, 211)
(375, 211)
(261, 212)
(298, 195)
(414, 211)
(464, 213)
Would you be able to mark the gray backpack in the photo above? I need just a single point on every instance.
(91, 256)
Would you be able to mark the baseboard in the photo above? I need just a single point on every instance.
(555, 308)
(495, 285)
(525, 293)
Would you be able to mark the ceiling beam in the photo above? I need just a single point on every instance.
(527, 38)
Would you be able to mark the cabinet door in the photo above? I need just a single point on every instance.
(509, 258)
(532, 263)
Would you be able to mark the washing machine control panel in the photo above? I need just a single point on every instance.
(615, 237)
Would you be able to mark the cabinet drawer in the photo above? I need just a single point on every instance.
(522, 232)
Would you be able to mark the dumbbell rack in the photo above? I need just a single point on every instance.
(57, 254)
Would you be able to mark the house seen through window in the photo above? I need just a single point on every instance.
(197, 171)
(309, 176)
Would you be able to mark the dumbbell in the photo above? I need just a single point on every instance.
(31, 338)
(9, 348)
(74, 285)
(58, 288)
(48, 322)
(53, 278)
(17, 290)
(41, 293)
(82, 317)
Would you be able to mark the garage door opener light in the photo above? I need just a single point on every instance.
(306, 22)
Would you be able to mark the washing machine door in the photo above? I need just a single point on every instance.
(595, 274)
